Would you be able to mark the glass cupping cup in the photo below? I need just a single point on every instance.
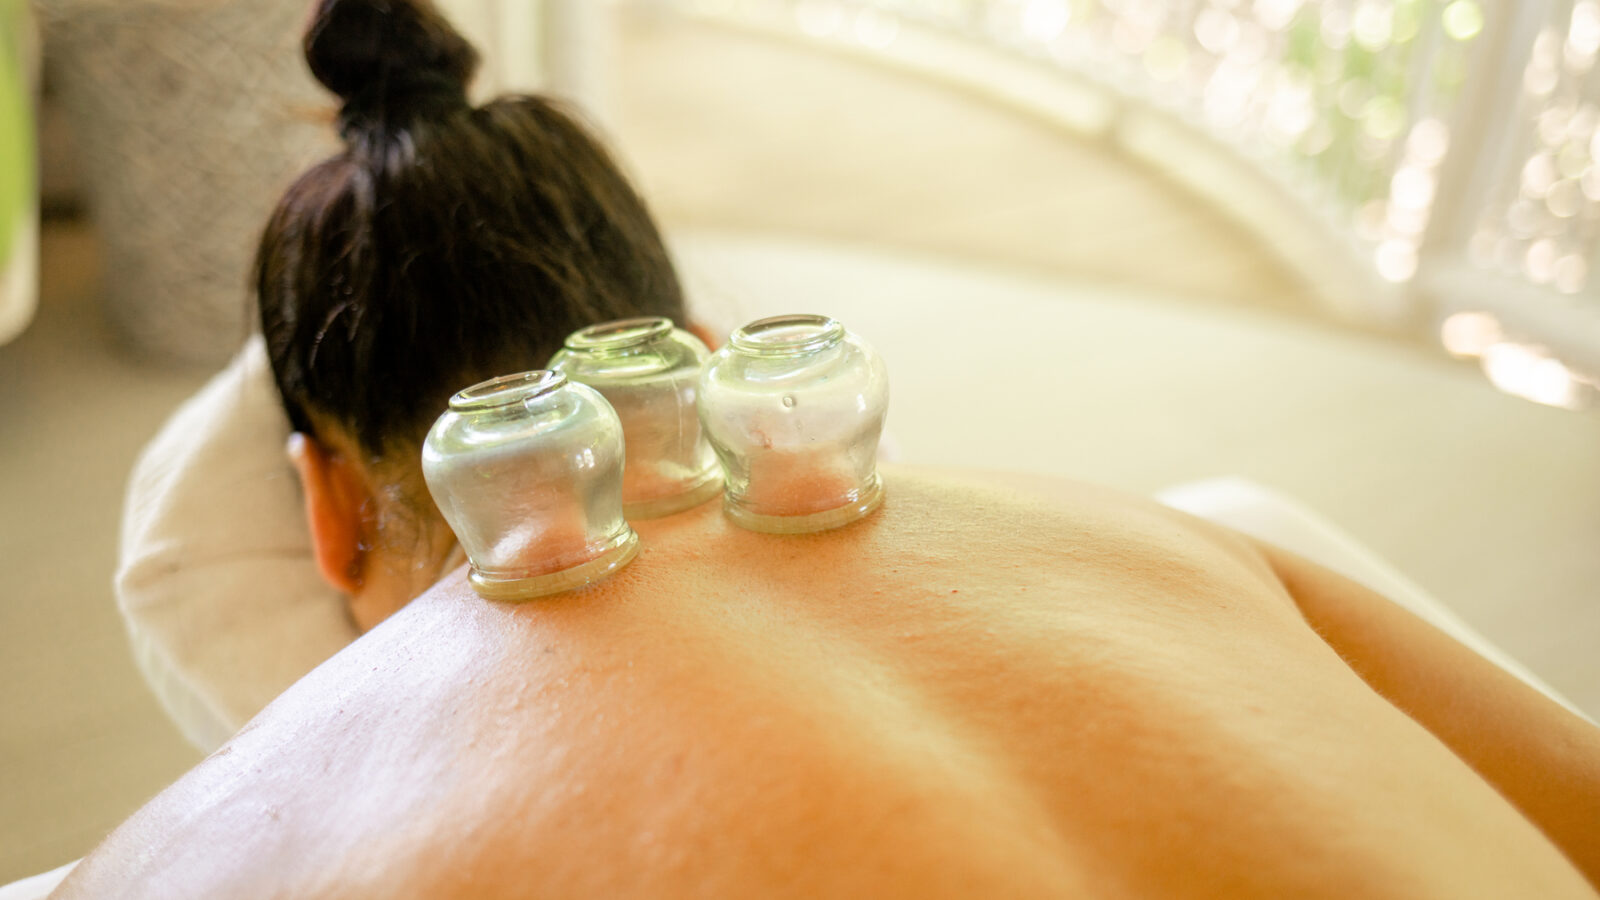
(527, 470)
(650, 373)
(794, 406)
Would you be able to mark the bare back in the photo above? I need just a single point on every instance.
(971, 693)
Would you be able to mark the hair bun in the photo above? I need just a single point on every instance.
(374, 53)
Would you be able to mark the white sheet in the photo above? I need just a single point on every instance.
(1265, 514)
(39, 886)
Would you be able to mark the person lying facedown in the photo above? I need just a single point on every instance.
(977, 690)
(972, 691)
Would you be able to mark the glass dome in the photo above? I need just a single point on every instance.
(794, 406)
(650, 373)
(527, 470)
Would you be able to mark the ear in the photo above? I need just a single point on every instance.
(336, 496)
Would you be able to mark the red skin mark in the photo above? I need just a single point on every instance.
(797, 482)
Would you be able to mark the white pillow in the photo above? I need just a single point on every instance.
(216, 582)
(38, 887)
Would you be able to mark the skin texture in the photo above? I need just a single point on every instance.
(973, 692)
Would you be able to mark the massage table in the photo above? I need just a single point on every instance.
(215, 651)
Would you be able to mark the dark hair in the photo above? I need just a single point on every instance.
(446, 244)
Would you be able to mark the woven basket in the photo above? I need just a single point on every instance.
(192, 118)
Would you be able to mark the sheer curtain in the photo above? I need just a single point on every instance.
(1431, 166)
